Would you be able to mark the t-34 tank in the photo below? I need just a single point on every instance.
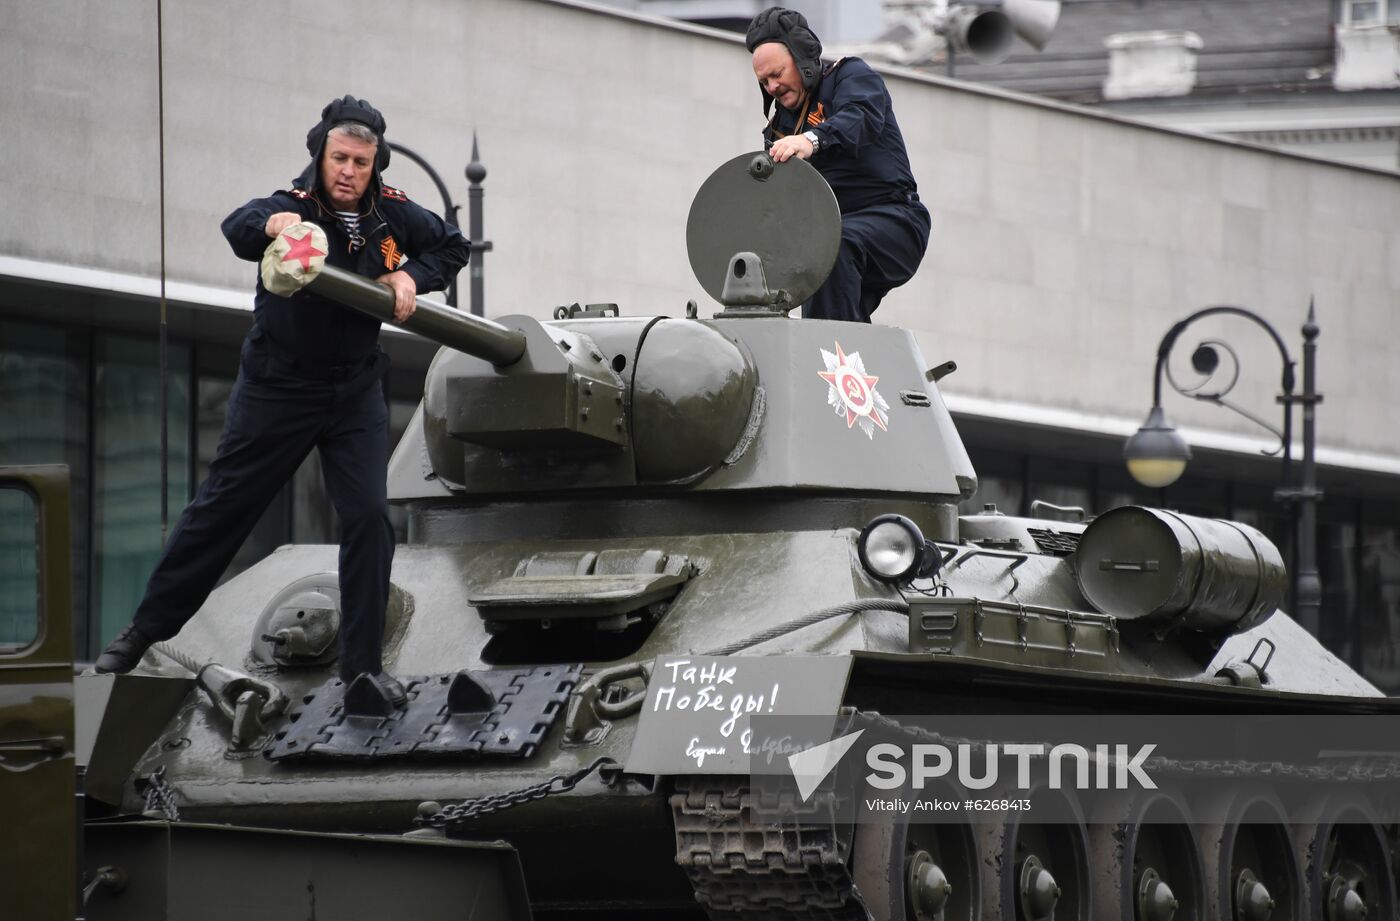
(630, 537)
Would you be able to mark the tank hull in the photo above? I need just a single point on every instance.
(745, 582)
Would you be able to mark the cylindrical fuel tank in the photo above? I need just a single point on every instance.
(1207, 574)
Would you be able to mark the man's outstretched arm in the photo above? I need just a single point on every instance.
(248, 228)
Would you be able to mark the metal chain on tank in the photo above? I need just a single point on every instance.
(160, 796)
(461, 814)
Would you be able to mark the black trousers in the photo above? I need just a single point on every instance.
(278, 411)
(881, 248)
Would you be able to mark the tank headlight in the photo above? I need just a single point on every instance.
(893, 549)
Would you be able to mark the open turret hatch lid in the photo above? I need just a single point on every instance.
(785, 213)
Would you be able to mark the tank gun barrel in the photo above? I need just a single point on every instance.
(464, 332)
(296, 260)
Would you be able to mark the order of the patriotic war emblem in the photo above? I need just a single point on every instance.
(851, 392)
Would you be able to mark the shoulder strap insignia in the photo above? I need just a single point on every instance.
(394, 194)
(298, 193)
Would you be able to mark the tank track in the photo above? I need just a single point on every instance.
(761, 871)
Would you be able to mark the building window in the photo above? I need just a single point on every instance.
(1380, 605)
(19, 570)
(1363, 13)
(91, 400)
(126, 530)
(1065, 484)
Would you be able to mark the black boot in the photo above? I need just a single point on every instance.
(392, 688)
(122, 654)
(373, 695)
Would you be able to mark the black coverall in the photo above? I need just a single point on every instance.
(861, 154)
(310, 376)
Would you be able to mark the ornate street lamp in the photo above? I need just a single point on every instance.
(449, 208)
(476, 172)
(1157, 454)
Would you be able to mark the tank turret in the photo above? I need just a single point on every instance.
(692, 406)
(746, 402)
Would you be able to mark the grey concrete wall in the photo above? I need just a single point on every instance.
(1065, 243)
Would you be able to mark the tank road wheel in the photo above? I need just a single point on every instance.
(1044, 866)
(922, 871)
(1349, 875)
(1151, 868)
(1250, 866)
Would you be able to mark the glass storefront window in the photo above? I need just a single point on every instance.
(1000, 481)
(19, 570)
(1257, 507)
(1116, 487)
(1195, 495)
(1336, 556)
(1003, 493)
(1062, 483)
(126, 469)
(1380, 605)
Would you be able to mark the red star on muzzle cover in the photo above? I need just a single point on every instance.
(303, 250)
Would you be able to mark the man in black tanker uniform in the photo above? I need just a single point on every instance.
(310, 376)
(839, 117)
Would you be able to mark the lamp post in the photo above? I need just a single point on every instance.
(1157, 454)
(449, 208)
(476, 172)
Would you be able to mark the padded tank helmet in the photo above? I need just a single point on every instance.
(349, 109)
(789, 28)
(345, 109)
